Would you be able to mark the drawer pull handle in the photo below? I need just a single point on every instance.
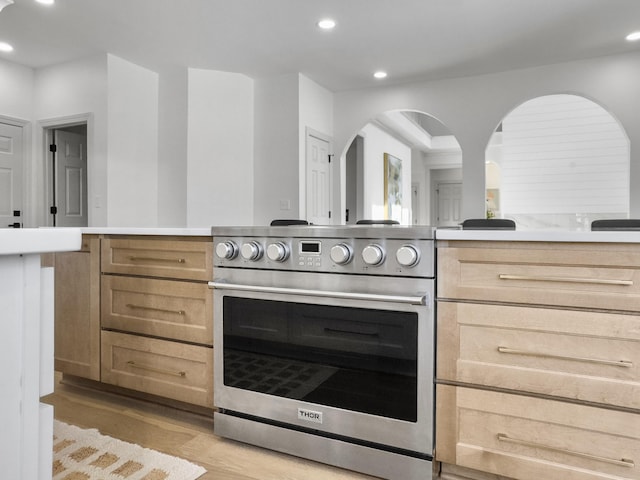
(156, 259)
(623, 462)
(542, 278)
(153, 309)
(157, 370)
(615, 363)
(339, 331)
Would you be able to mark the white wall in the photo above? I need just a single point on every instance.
(472, 107)
(16, 87)
(376, 143)
(70, 89)
(16, 105)
(276, 150)
(132, 136)
(564, 159)
(220, 177)
(172, 148)
(122, 100)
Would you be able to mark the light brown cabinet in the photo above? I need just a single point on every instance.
(524, 437)
(77, 310)
(135, 312)
(171, 309)
(165, 368)
(187, 258)
(596, 276)
(157, 316)
(578, 355)
(538, 359)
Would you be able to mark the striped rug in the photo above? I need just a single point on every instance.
(80, 454)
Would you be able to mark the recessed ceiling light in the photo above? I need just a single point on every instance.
(5, 3)
(632, 37)
(327, 24)
(5, 47)
(380, 74)
(46, 2)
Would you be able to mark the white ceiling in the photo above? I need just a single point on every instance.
(411, 39)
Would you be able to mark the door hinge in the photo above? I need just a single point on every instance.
(53, 210)
(329, 156)
(53, 148)
(329, 213)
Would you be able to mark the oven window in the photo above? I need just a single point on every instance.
(357, 359)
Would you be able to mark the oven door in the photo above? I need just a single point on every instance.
(349, 356)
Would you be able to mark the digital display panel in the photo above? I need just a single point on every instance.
(310, 247)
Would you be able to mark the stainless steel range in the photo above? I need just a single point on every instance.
(324, 344)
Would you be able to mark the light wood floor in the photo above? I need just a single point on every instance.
(182, 434)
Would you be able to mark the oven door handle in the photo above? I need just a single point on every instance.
(406, 299)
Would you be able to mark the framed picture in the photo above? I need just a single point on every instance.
(392, 187)
(493, 202)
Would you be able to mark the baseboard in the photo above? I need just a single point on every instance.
(447, 471)
(85, 383)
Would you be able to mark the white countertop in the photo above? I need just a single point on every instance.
(147, 231)
(18, 241)
(441, 234)
(539, 236)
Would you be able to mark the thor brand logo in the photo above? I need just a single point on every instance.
(309, 415)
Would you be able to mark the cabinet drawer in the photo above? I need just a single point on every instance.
(531, 438)
(162, 308)
(159, 367)
(590, 356)
(579, 275)
(182, 258)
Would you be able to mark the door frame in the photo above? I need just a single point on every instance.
(356, 183)
(45, 132)
(27, 172)
(310, 132)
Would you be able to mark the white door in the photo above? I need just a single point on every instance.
(318, 180)
(71, 179)
(415, 204)
(11, 175)
(449, 204)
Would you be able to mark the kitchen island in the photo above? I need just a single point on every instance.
(134, 313)
(561, 236)
(148, 231)
(26, 349)
(538, 355)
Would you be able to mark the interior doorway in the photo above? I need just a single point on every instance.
(12, 171)
(319, 190)
(66, 154)
(448, 204)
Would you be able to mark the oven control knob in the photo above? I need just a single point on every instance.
(228, 250)
(408, 256)
(278, 252)
(341, 254)
(251, 251)
(373, 255)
